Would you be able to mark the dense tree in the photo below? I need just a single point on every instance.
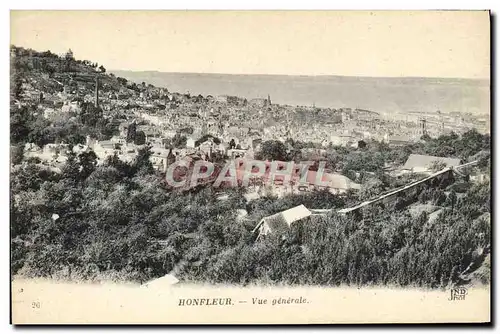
(17, 154)
(131, 132)
(437, 166)
(90, 114)
(88, 163)
(179, 141)
(140, 138)
(119, 220)
(20, 121)
(17, 87)
(372, 188)
(367, 161)
(110, 219)
(142, 162)
(122, 81)
(273, 150)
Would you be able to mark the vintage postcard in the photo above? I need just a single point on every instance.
(250, 167)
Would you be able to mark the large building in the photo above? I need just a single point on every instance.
(418, 163)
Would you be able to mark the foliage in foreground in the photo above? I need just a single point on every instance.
(119, 220)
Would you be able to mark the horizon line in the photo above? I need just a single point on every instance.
(488, 79)
(304, 75)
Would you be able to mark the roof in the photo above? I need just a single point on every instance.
(282, 221)
(209, 141)
(399, 139)
(237, 150)
(106, 144)
(162, 282)
(295, 213)
(32, 147)
(333, 180)
(425, 161)
(156, 151)
(394, 191)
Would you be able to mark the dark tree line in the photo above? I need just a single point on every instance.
(119, 221)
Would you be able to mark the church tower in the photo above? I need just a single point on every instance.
(423, 126)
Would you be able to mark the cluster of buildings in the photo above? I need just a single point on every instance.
(163, 114)
(231, 127)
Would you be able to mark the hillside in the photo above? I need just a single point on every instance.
(98, 216)
(49, 73)
(56, 99)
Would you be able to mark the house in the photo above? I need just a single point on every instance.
(33, 150)
(256, 144)
(123, 128)
(479, 177)
(236, 153)
(104, 148)
(50, 149)
(70, 107)
(169, 133)
(237, 132)
(90, 142)
(160, 158)
(397, 140)
(207, 146)
(190, 143)
(118, 140)
(31, 147)
(79, 148)
(211, 127)
(418, 163)
(51, 152)
(281, 221)
(335, 183)
(149, 131)
(222, 148)
(341, 140)
(157, 141)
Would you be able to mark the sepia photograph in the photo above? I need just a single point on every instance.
(250, 167)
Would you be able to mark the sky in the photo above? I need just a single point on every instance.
(450, 44)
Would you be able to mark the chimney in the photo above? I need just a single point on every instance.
(165, 165)
(96, 91)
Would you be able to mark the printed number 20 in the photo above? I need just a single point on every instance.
(35, 305)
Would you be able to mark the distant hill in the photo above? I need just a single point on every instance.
(49, 73)
(385, 95)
